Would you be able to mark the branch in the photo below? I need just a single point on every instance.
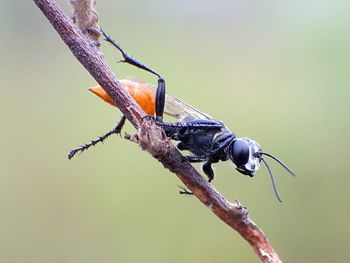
(152, 138)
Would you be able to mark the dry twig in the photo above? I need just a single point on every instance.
(86, 17)
(152, 138)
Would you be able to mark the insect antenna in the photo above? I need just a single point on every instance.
(280, 162)
(272, 180)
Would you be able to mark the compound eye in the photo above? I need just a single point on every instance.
(240, 152)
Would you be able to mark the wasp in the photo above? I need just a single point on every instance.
(208, 139)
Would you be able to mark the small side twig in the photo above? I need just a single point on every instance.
(152, 138)
(86, 17)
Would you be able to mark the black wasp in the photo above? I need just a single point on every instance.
(208, 139)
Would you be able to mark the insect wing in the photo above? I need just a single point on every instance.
(179, 109)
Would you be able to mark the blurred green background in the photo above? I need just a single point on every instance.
(276, 71)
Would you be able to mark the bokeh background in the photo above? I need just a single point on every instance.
(275, 71)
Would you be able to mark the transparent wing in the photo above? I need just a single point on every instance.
(177, 108)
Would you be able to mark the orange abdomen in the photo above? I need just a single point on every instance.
(142, 94)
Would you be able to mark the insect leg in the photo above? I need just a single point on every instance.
(194, 158)
(160, 94)
(86, 146)
(208, 170)
(184, 191)
(206, 167)
(196, 124)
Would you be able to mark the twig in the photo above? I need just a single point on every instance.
(152, 138)
(86, 17)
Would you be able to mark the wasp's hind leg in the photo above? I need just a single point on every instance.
(160, 94)
(86, 146)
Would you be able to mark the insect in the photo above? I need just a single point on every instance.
(208, 139)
